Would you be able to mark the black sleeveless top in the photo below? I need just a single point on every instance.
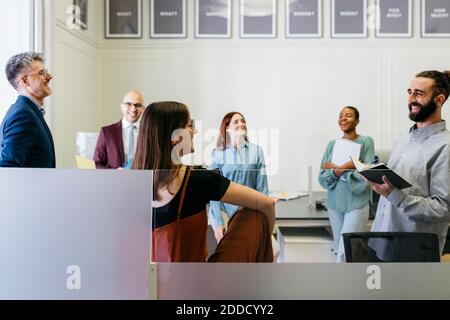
(203, 186)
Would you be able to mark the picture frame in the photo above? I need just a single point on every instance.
(258, 18)
(168, 19)
(213, 18)
(123, 18)
(393, 18)
(348, 19)
(303, 18)
(435, 19)
(80, 14)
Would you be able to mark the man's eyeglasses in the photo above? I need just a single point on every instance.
(130, 104)
(44, 73)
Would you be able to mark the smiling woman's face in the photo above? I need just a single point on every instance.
(237, 126)
(347, 120)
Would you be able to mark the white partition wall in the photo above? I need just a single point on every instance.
(302, 281)
(74, 234)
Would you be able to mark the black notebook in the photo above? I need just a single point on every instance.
(375, 172)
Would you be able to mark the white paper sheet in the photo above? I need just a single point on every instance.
(343, 150)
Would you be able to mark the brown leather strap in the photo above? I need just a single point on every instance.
(183, 192)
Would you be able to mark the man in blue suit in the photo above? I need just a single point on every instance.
(25, 139)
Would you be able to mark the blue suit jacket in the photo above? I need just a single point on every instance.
(25, 139)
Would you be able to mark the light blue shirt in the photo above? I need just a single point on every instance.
(245, 166)
(422, 158)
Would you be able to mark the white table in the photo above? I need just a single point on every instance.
(303, 232)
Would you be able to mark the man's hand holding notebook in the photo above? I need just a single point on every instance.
(375, 172)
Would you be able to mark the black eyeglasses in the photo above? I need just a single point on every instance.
(130, 104)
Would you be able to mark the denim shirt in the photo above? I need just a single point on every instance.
(245, 166)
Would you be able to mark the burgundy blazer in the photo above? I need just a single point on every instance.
(109, 153)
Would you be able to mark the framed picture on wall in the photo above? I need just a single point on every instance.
(394, 19)
(167, 18)
(123, 18)
(80, 14)
(213, 18)
(435, 18)
(258, 18)
(303, 18)
(348, 18)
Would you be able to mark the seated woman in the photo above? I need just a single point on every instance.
(238, 160)
(348, 195)
(180, 196)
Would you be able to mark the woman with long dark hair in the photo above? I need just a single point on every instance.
(181, 193)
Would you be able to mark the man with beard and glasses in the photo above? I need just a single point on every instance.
(422, 157)
(25, 139)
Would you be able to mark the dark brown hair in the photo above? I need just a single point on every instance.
(441, 81)
(154, 145)
(224, 138)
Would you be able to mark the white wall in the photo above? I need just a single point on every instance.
(296, 86)
(76, 69)
(15, 35)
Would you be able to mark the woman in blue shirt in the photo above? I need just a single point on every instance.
(238, 160)
(348, 195)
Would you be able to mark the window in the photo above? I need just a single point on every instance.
(16, 33)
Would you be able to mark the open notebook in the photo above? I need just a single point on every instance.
(375, 173)
(288, 195)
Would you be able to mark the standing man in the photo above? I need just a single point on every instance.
(25, 139)
(116, 143)
(422, 157)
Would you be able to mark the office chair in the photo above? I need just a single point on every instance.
(391, 247)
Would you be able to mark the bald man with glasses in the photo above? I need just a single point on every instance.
(116, 144)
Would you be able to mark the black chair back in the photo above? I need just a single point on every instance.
(391, 247)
